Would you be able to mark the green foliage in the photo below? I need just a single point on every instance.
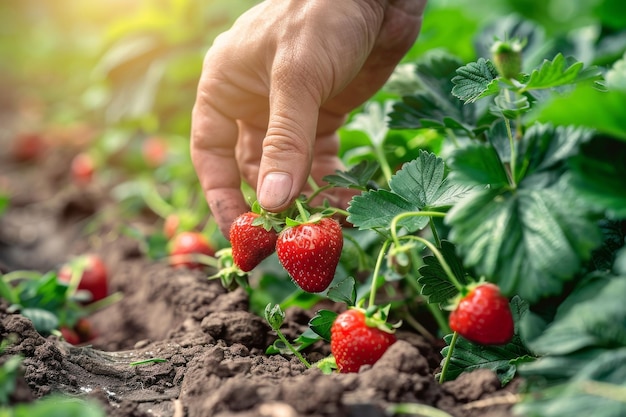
(436, 287)
(55, 406)
(420, 185)
(42, 298)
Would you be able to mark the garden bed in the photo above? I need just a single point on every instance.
(209, 347)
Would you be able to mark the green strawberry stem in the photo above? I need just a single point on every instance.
(275, 316)
(379, 262)
(444, 369)
(429, 245)
(19, 275)
(104, 302)
(433, 230)
(416, 409)
(282, 337)
(304, 215)
(512, 164)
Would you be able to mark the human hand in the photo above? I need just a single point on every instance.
(276, 87)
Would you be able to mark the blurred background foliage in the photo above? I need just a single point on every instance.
(122, 69)
(136, 63)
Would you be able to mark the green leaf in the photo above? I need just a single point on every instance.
(433, 106)
(530, 242)
(344, 291)
(359, 176)
(554, 73)
(43, 320)
(543, 146)
(423, 182)
(376, 210)
(475, 80)
(420, 184)
(599, 321)
(372, 121)
(599, 173)
(478, 164)
(4, 203)
(588, 107)
(58, 406)
(322, 322)
(616, 76)
(596, 389)
(436, 286)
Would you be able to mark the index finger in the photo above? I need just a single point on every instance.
(213, 140)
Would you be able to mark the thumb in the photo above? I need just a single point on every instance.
(288, 145)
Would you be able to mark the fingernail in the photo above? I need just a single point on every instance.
(275, 190)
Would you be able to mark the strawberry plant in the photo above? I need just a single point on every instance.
(508, 226)
(87, 273)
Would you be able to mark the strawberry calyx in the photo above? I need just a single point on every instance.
(376, 317)
(228, 272)
(266, 219)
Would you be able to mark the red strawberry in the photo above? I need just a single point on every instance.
(28, 147)
(189, 243)
(251, 243)
(84, 329)
(355, 342)
(483, 316)
(310, 253)
(93, 275)
(82, 168)
(70, 335)
(154, 151)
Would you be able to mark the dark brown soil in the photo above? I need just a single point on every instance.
(212, 344)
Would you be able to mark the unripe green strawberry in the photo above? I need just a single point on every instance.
(483, 316)
(251, 242)
(354, 342)
(310, 252)
(507, 57)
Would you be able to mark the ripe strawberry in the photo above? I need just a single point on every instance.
(28, 147)
(84, 329)
(93, 275)
(154, 151)
(70, 335)
(354, 341)
(483, 316)
(309, 252)
(251, 242)
(82, 168)
(189, 243)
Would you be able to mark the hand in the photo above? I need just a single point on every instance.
(276, 87)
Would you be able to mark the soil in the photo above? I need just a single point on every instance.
(213, 346)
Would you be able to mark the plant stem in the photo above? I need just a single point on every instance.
(433, 249)
(444, 369)
(433, 230)
(303, 214)
(513, 163)
(422, 410)
(379, 262)
(282, 337)
(384, 164)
